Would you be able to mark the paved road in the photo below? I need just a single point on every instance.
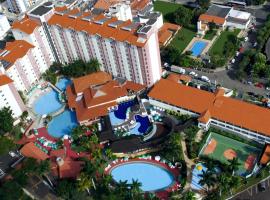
(254, 194)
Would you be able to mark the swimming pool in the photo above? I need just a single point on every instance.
(62, 124)
(151, 176)
(198, 47)
(142, 125)
(47, 103)
(63, 83)
(121, 112)
(114, 120)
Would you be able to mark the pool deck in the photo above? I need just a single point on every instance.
(206, 49)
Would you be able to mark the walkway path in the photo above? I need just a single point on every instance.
(55, 88)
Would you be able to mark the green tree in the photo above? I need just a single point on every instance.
(121, 188)
(183, 16)
(50, 76)
(204, 3)
(10, 190)
(84, 182)
(170, 55)
(135, 189)
(189, 195)
(6, 120)
(223, 183)
(207, 179)
(233, 165)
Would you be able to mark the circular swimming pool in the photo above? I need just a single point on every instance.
(151, 176)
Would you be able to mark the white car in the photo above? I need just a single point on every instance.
(205, 78)
(193, 74)
(255, 44)
(237, 53)
(246, 39)
(233, 60)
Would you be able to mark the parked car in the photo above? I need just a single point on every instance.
(193, 74)
(241, 50)
(233, 60)
(12, 154)
(177, 69)
(246, 39)
(267, 88)
(205, 78)
(237, 53)
(166, 64)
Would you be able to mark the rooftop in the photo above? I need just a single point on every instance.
(229, 110)
(266, 155)
(99, 92)
(32, 151)
(43, 9)
(218, 11)
(25, 25)
(210, 18)
(166, 32)
(4, 80)
(15, 50)
(99, 25)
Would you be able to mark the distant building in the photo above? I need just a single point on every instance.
(223, 17)
(4, 26)
(213, 109)
(20, 6)
(125, 49)
(91, 96)
(23, 63)
(9, 97)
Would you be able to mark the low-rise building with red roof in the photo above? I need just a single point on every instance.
(32, 151)
(213, 109)
(167, 32)
(91, 96)
(223, 16)
(265, 159)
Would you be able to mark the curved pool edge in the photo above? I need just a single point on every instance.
(155, 163)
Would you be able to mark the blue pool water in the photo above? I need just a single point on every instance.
(152, 177)
(144, 122)
(114, 120)
(198, 47)
(121, 112)
(195, 181)
(62, 124)
(63, 83)
(47, 103)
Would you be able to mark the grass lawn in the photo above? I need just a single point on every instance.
(182, 39)
(244, 152)
(210, 35)
(219, 44)
(165, 7)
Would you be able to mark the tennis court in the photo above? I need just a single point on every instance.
(224, 148)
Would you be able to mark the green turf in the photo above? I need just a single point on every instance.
(243, 150)
(165, 7)
(182, 39)
(219, 44)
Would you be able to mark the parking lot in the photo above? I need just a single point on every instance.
(253, 193)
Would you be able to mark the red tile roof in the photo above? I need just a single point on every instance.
(266, 155)
(210, 18)
(4, 80)
(92, 28)
(166, 32)
(32, 151)
(98, 94)
(25, 25)
(179, 77)
(15, 50)
(222, 108)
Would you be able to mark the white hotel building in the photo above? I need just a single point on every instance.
(124, 49)
(9, 97)
(23, 63)
(213, 109)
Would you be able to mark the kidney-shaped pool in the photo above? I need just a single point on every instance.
(152, 176)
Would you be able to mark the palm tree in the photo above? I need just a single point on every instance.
(122, 188)
(223, 180)
(235, 182)
(208, 179)
(109, 154)
(233, 165)
(135, 188)
(84, 182)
